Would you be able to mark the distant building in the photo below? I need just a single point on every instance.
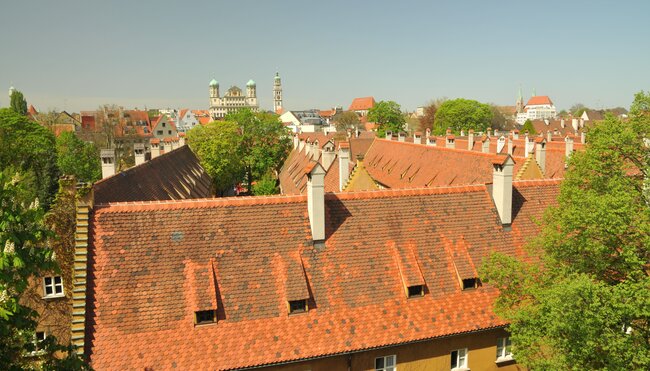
(277, 94)
(304, 121)
(362, 105)
(186, 120)
(233, 100)
(538, 107)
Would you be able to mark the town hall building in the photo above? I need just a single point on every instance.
(233, 100)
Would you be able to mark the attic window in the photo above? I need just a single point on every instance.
(416, 291)
(205, 316)
(297, 306)
(471, 283)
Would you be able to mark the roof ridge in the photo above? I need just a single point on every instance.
(398, 192)
(197, 203)
(461, 150)
(536, 182)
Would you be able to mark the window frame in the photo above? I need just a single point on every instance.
(53, 285)
(202, 312)
(385, 367)
(414, 295)
(293, 303)
(464, 358)
(504, 349)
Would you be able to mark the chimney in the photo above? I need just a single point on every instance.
(549, 136)
(574, 124)
(540, 153)
(417, 137)
(501, 142)
(316, 200)
(344, 167)
(502, 186)
(583, 137)
(296, 141)
(462, 132)
(450, 140)
(327, 157)
(155, 147)
(389, 135)
(568, 150)
(301, 145)
(486, 144)
(527, 148)
(515, 134)
(562, 124)
(138, 152)
(470, 140)
(431, 141)
(510, 145)
(174, 143)
(427, 132)
(181, 139)
(582, 123)
(401, 136)
(489, 132)
(108, 162)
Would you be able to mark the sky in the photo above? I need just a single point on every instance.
(79, 54)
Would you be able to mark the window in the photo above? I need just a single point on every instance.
(459, 359)
(470, 283)
(163, 124)
(205, 316)
(169, 132)
(297, 306)
(386, 363)
(159, 132)
(53, 287)
(416, 291)
(504, 352)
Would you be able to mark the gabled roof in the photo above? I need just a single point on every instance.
(539, 100)
(362, 104)
(233, 256)
(174, 175)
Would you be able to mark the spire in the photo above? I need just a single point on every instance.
(520, 95)
(534, 93)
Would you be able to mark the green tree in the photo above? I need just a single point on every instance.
(18, 103)
(578, 109)
(30, 149)
(265, 186)
(78, 158)
(528, 127)
(347, 120)
(388, 116)
(462, 113)
(582, 302)
(218, 146)
(641, 103)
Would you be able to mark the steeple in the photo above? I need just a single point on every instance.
(277, 93)
(519, 105)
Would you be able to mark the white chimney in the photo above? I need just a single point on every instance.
(401, 136)
(155, 148)
(502, 186)
(470, 140)
(316, 200)
(582, 123)
(527, 149)
(489, 132)
(574, 124)
(462, 132)
(540, 153)
(510, 146)
(486, 144)
(301, 145)
(450, 140)
(417, 137)
(109, 164)
(181, 140)
(501, 142)
(296, 141)
(562, 123)
(427, 132)
(515, 134)
(583, 137)
(344, 167)
(431, 141)
(389, 135)
(568, 149)
(138, 152)
(174, 143)
(549, 136)
(327, 156)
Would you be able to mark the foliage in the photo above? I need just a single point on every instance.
(641, 103)
(462, 113)
(528, 127)
(218, 146)
(346, 120)
(578, 109)
(499, 121)
(29, 148)
(265, 186)
(388, 116)
(583, 302)
(427, 120)
(18, 103)
(78, 158)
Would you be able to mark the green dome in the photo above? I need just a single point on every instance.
(214, 83)
(277, 76)
(250, 83)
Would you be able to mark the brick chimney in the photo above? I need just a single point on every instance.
(502, 168)
(316, 200)
(344, 167)
(417, 137)
(501, 142)
(138, 152)
(470, 140)
(540, 153)
(155, 147)
(109, 165)
(485, 147)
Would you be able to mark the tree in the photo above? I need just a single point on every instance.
(265, 186)
(29, 148)
(641, 103)
(427, 120)
(388, 116)
(499, 121)
(218, 146)
(578, 109)
(462, 113)
(528, 127)
(582, 301)
(347, 120)
(78, 158)
(18, 103)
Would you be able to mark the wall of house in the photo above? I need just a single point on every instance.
(434, 355)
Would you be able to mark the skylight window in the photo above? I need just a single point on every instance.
(205, 317)
(471, 283)
(416, 291)
(297, 306)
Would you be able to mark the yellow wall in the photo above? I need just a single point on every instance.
(431, 355)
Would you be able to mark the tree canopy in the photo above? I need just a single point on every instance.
(29, 148)
(528, 127)
(388, 116)
(78, 158)
(346, 120)
(582, 302)
(462, 113)
(18, 103)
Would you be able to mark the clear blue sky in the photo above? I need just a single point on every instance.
(77, 54)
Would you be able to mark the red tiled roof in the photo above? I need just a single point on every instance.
(327, 113)
(182, 113)
(232, 255)
(539, 100)
(175, 175)
(362, 104)
(204, 120)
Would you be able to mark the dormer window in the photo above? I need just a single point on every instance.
(205, 316)
(416, 291)
(297, 306)
(471, 283)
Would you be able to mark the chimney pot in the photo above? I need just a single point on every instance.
(540, 154)
(417, 137)
(109, 165)
(486, 145)
(316, 200)
(470, 140)
(431, 141)
(138, 153)
(389, 135)
(344, 160)
(502, 187)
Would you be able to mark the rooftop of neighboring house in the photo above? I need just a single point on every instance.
(174, 175)
(247, 261)
(362, 104)
(539, 100)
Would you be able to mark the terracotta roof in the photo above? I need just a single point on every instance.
(231, 255)
(539, 100)
(203, 120)
(182, 113)
(327, 113)
(362, 104)
(175, 175)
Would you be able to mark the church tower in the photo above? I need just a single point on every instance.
(520, 102)
(251, 93)
(215, 101)
(277, 93)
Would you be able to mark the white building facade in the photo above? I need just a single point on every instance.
(537, 108)
(233, 100)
